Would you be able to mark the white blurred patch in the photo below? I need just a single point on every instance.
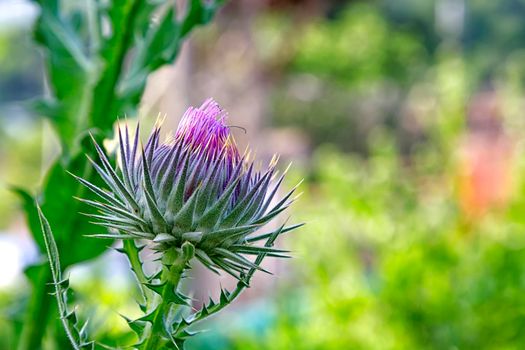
(10, 261)
(17, 13)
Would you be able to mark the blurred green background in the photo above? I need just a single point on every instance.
(405, 119)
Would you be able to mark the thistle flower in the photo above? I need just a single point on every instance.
(194, 189)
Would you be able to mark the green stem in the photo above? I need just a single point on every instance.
(132, 253)
(174, 266)
(105, 94)
(155, 340)
(37, 315)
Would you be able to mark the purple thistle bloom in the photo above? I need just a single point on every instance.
(195, 187)
(205, 128)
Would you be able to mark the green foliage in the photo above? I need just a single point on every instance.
(104, 85)
(362, 49)
(346, 75)
(55, 198)
(391, 262)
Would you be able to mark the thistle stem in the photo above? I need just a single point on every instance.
(155, 340)
(173, 269)
(132, 252)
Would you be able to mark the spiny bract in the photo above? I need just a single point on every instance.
(194, 187)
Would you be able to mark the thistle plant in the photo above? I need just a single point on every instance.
(191, 197)
(97, 57)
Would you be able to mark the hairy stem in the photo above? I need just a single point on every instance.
(132, 252)
(174, 264)
(156, 340)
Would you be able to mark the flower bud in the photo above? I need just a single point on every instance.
(194, 192)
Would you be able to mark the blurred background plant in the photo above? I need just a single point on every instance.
(406, 120)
